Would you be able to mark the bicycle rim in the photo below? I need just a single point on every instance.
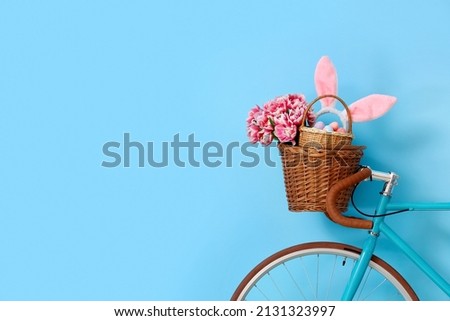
(320, 271)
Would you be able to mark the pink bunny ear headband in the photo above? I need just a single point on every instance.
(365, 109)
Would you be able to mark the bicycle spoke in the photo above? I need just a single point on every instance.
(317, 279)
(275, 285)
(295, 282)
(307, 276)
(260, 291)
(370, 293)
(330, 282)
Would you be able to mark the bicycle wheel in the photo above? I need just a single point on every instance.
(319, 271)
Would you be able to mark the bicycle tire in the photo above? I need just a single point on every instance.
(282, 275)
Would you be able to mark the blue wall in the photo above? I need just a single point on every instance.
(76, 75)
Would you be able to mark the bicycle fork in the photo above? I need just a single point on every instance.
(360, 267)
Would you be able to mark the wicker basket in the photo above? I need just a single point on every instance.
(309, 173)
(320, 138)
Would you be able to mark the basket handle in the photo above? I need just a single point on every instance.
(330, 110)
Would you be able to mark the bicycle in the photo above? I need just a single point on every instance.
(335, 271)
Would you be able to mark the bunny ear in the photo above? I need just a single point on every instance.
(325, 79)
(371, 107)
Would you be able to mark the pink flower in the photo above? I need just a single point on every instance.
(276, 107)
(298, 108)
(253, 133)
(259, 127)
(253, 113)
(258, 117)
(266, 137)
(285, 130)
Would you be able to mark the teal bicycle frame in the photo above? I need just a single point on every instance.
(380, 227)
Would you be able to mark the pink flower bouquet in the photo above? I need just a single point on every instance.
(278, 119)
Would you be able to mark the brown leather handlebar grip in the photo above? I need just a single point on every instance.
(334, 214)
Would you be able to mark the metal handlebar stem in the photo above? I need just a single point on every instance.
(390, 179)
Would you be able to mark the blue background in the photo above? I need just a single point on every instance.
(77, 74)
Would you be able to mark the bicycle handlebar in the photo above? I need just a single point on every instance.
(334, 213)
